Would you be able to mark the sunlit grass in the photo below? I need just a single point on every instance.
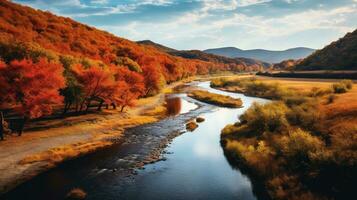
(216, 99)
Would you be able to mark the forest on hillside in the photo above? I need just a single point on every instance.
(339, 55)
(76, 65)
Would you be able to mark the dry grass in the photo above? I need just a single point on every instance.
(60, 154)
(318, 138)
(216, 99)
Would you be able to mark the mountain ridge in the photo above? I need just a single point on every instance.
(201, 55)
(271, 56)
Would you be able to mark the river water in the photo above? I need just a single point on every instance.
(193, 166)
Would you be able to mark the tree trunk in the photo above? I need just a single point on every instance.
(100, 105)
(122, 109)
(67, 106)
(88, 105)
(114, 106)
(77, 106)
(147, 92)
(82, 105)
(22, 125)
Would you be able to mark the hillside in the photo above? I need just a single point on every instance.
(200, 55)
(263, 55)
(339, 55)
(157, 46)
(78, 66)
(30, 33)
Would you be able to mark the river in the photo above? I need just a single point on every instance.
(192, 166)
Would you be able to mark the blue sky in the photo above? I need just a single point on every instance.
(202, 24)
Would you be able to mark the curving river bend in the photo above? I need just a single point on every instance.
(195, 166)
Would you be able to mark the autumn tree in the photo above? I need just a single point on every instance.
(154, 80)
(97, 82)
(31, 88)
(129, 87)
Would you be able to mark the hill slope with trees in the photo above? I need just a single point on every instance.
(89, 65)
(339, 55)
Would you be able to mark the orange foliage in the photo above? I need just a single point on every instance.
(89, 58)
(33, 87)
(66, 36)
(130, 86)
(97, 83)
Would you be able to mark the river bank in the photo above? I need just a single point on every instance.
(37, 151)
(56, 141)
(193, 164)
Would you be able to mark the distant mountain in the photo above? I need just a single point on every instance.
(339, 55)
(200, 55)
(263, 55)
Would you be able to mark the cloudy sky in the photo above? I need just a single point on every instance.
(202, 24)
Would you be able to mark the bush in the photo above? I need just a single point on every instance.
(339, 88)
(342, 86)
(331, 98)
(318, 92)
(347, 83)
(295, 100)
(268, 117)
(306, 115)
(259, 157)
(299, 144)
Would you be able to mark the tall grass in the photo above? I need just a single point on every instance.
(287, 142)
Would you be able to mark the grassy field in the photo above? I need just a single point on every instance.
(302, 144)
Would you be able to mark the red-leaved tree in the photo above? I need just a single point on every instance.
(154, 80)
(98, 84)
(130, 86)
(31, 88)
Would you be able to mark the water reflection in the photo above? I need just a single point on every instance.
(175, 105)
(198, 167)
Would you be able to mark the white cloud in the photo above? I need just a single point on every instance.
(155, 2)
(99, 1)
(229, 5)
(192, 28)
